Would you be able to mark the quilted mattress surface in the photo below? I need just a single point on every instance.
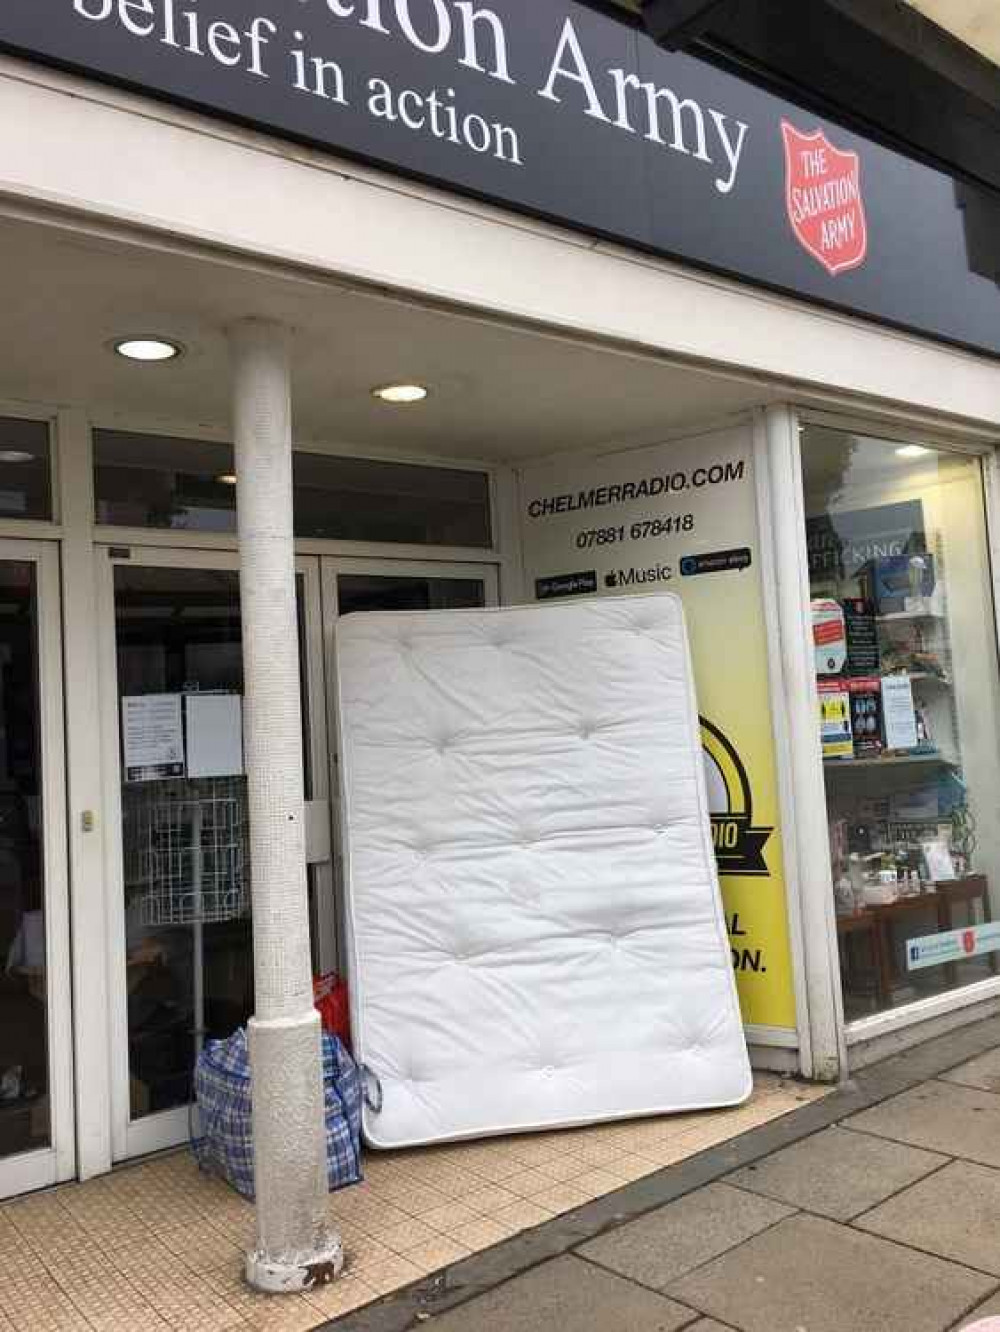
(535, 930)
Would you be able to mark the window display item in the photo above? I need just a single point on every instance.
(899, 716)
(862, 636)
(902, 583)
(829, 636)
(883, 891)
(866, 716)
(835, 719)
(940, 865)
(223, 1139)
(536, 934)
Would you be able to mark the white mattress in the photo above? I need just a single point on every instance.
(535, 930)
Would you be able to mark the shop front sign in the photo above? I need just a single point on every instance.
(564, 111)
(681, 517)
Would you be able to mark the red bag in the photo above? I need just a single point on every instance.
(330, 997)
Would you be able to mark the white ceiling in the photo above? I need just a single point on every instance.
(496, 393)
(974, 22)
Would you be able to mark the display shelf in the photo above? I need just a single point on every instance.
(908, 617)
(889, 761)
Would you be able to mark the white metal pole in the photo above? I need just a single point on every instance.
(198, 936)
(295, 1245)
(811, 841)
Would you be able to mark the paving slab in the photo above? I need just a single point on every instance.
(991, 1309)
(941, 1117)
(662, 1246)
(569, 1294)
(811, 1273)
(983, 1072)
(837, 1173)
(955, 1214)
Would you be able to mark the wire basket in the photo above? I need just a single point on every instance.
(186, 859)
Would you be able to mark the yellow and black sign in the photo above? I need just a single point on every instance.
(696, 536)
(739, 845)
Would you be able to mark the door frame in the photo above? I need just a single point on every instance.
(57, 1162)
(169, 1128)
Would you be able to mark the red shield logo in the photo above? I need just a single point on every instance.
(969, 941)
(823, 198)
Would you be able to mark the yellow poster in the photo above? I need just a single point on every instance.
(681, 517)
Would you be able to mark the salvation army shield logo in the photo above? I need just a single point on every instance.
(824, 201)
(969, 941)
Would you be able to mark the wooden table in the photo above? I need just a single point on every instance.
(877, 922)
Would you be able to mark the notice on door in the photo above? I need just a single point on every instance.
(152, 737)
(681, 517)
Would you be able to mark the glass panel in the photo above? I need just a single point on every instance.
(152, 481)
(906, 662)
(387, 592)
(25, 479)
(24, 1077)
(185, 835)
(356, 499)
(185, 843)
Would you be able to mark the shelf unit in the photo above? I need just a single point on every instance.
(872, 790)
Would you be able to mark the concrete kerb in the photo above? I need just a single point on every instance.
(474, 1276)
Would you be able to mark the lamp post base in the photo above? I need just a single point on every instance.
(287, 1278)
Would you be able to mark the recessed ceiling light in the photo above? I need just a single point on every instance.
(15, 456)
(149, 349)
(912, 451)
(398, 394)
(227, 479)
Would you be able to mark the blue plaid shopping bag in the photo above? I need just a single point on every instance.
(223, 1136)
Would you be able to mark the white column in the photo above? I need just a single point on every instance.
(295, 1245)
(88, 878)
(808, 864)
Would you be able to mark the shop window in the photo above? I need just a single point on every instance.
(907, 685)
(25, 469)
(187, 485)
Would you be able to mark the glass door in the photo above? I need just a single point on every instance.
(36, 1081)
(352, 586)
(182, 940)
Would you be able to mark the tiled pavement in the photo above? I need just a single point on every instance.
(158, 1246)
(874, 1210)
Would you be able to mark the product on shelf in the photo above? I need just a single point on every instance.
(899, 716)
(866, 715)
(902, 583)
(835, 719)
(829, 636)
(863, 654)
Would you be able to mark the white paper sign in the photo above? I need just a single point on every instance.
(898, 716)
(940, 865)
(152, 737)
(214, 735)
